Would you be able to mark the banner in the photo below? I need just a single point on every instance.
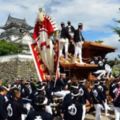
(39, 64)
(42, 50)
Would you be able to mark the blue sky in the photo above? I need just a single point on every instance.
(96, 15)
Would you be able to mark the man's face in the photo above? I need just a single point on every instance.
(18, 94)
(80, 27)
(62, 25)
(119, 83)
(5, 92)
(48, 78)
(74, 90)
(63, 76)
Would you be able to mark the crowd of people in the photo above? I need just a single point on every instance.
(66, 98)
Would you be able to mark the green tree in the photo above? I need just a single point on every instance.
(117, 28)
(8, 48)
(99, 41)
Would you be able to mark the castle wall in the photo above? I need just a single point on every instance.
(17, 67)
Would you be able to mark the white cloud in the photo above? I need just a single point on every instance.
(113, 41)
(21, 9)
(95, 14)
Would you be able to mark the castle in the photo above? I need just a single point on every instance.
(20, 65)
(14, 29)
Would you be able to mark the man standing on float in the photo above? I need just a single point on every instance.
(64, 40)
(78, 39)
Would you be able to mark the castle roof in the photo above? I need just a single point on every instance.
(16, 22)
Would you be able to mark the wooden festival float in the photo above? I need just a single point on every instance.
(89, 51)
(48, 62)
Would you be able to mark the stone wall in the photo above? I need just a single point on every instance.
(17, 69)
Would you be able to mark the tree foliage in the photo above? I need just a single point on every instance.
(99, 41)
(9, 48)
(117, 29)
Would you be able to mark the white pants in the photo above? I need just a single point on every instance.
(98, 108)
(84, 112)
(105, 72)
(108, 70)
(28, 107)
(101, 73)
(117, 113)
(64, 43)
(106, 108)
(78, 50)
(61, 93)
(48, 109)
(23, 116)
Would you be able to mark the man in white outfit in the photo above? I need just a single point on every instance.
(97, 100)
(104, 73)
(64, 42)
(79, 39)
